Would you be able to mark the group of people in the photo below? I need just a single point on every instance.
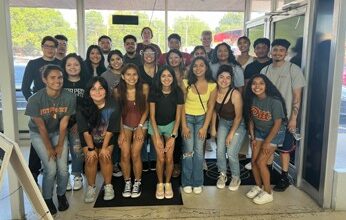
(103, 109)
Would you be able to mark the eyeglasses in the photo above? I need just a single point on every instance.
(48, 46)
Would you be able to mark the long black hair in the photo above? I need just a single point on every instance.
(191, 77)
(101, 67)
(156, 88)
(88, 108)
(84, 75)
(270, 90)
(231, 58)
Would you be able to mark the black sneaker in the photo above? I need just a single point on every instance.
(282, 185)
(51, 206)
(63, 203)
(136, 190)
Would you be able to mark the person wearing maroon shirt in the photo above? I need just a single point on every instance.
(174, 42)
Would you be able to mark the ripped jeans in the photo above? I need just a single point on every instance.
(192, 163)
(76, 152)
(232, 149)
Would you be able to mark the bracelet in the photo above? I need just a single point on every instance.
(140, 125)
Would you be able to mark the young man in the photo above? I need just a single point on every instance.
(105, 43)
(32, 74)
(289, 79)
(206, 39)
(261, 48)
(174, 42)
(62, 46)
(130, 45)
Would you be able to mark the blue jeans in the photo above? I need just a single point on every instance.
(76, 153)
(232, 149)
(52, 169)
(192, 163)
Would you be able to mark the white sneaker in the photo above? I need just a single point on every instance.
(263, 198)
(77, 183)
(90, 194)
(255, 190)
(109, 192)
(197, 190)
(234, 184)
(127, 189)
(69, 186)
(116, 171)
(187, 189)
(221, 181)
(136, 189)
(248, 166)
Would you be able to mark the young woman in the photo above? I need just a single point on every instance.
(244, 46)
(200, 93)
(94, 61)
(265, 114)
(166, 100)
(199, 51)
(49, 110)
(147, 35)
(98, 122)
(113, 73)
(224, 55)
(75, 79)
(132, 95)
(175, 60)
(149, 68)
(230, 130)
(147, 72)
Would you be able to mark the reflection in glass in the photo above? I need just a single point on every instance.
(254, 33)
(340, 161)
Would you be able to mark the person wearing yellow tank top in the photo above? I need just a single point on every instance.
(200, 94)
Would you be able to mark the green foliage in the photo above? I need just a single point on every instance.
(231, 21)
(30, 25)
(190, 29)
(94, 27)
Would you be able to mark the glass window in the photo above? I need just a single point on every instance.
(259, 7)
(340, 161)
(294, 36)
(253, 33)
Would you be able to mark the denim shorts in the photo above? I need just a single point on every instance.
(289, 143)
(277, 140)
(165, 130)
(145, 126)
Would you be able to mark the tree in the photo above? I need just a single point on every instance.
(94, 27)
(30, 25)
(231, 21)
(190, 29)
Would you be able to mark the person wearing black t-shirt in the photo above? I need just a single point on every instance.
(166, 100)
(261, 49)
(32, 75)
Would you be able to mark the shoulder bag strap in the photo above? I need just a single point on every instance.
(199, 96)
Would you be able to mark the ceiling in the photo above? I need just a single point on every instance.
(159, 5)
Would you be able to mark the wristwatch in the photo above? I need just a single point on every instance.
(140, 125)
(91, 148)
(174, 135)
